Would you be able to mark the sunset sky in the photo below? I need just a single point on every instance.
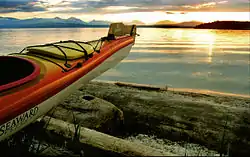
(147, 11)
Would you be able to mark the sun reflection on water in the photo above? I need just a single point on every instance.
(210, 49)
(208, 38)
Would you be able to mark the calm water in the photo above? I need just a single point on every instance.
(215, 60)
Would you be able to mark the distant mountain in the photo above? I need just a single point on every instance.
(168, 23)
(190, 23)
(225, 25)
(57, 22)
(135, 22)
(172, 24)
(6, 22)
(165, 22)
(8, 18)
(96, 23)
(75, 20)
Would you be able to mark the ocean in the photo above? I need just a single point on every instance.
(215, 60)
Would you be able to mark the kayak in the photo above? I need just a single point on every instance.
(39, 77)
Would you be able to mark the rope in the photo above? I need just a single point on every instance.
(59, 47)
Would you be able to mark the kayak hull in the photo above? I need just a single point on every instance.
(25, 118)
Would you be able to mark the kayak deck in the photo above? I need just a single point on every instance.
(70, 49)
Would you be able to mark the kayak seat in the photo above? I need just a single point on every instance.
(16, 71)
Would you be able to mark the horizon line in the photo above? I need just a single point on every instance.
(152, 23)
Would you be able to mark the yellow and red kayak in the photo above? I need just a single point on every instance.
(41, 76)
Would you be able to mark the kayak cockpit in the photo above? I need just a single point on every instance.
(16, 71)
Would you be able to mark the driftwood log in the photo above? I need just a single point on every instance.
(100, 140)
(90, 112)
(218, 122)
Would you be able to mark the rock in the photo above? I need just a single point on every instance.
(90, 112)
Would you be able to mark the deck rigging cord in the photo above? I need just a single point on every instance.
(60, 48)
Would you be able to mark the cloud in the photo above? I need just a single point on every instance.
(201, 6)
(161, 5)
(222, 2)
(7, 6)
(168, 12)
(12, 3)
(174, 13)
(121, 6)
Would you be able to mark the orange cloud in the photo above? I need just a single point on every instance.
(222, 2)
(204, 5)
(199, 6)
(118, 8)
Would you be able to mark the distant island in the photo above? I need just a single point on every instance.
(235, 25)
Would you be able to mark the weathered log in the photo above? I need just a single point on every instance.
(141, 86)
(100, 140)
(208, 119)
(89, 111)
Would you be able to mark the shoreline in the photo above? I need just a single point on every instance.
(139, 26)
(181, 90)
(143, 113)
